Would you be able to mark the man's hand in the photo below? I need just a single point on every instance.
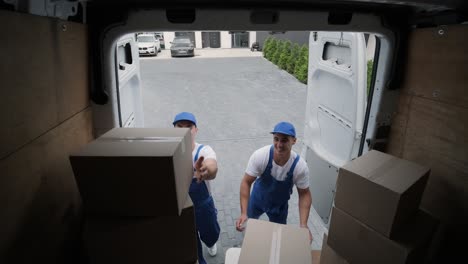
(200, 169)
(240, 223)
(310, 233)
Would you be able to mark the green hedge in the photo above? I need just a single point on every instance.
(370, 65)
(295, 59)
(289, 57)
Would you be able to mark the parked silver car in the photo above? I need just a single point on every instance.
(182, 47)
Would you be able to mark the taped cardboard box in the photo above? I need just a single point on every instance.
(135, 175)
(380, 190)
(328, 255)
(358, 243)
(267, 242)
(165, 239)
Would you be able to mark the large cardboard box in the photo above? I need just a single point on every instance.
(135, 172)
(381, 191)
(328, 255)
(164, 239)
(266, 242)
(358, 243)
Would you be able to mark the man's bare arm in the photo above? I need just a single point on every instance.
(206, 169)
(245, 186)
(305, 202)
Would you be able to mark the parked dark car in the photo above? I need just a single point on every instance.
(255, 46)
(182, 47)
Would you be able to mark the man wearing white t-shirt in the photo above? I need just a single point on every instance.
(205, 168)
(275, 169)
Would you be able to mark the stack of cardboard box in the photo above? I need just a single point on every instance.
(134, 184)
(376, 217)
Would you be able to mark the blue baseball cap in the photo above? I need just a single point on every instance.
(185, 116)
(284, 128)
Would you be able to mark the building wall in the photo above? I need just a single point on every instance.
(45, 118)
(226, 40)
(370, 47)
(299, 37)
(168, 38)
(252, 37)
(198, 39)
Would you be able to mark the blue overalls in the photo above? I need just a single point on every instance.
(205, 214)
(271, 196)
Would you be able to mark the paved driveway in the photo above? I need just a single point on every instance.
(237, 101)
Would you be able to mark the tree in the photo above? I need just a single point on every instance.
(279, 50)
(301, 69)
(291, 63)
(285, 55)
(272, 48)
(266, 47)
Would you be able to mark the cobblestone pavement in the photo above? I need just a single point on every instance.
(237, 102)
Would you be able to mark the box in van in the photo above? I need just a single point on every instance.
(380, 190)
(164, 239)
(328, 255)
(359, 243)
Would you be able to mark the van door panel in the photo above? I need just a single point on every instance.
(336, 103)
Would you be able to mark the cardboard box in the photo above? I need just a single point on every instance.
(381, 191)
(124, 175)
(266, 242)
(165, 239)
(358, 243)
(328, 255)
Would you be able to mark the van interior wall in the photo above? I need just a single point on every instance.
(431, 128)
(45, 116)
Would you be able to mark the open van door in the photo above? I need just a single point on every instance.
(336, 105)
(129, 82)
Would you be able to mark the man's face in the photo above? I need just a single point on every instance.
(283, 143)
(188, 124)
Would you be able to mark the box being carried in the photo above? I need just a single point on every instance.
(381, 191)
(266, 242)
(135, 172)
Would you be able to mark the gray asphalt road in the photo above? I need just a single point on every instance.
(237, 101)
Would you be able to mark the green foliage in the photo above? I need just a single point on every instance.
(370, 65)
(300, 71)
(292, 58)
(291, 63)
(285, 54)
(272, 46)
(279, 50)
(267, 46)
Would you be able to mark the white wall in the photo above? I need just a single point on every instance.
(252, 37)
(168, 38)
(370, 49)
(198, 39)
(226, 40)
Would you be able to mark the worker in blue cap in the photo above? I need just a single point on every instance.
(275, 169)
(205, 169)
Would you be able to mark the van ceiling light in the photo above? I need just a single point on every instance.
(180, 16)
(264, 17)
(339, 18)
